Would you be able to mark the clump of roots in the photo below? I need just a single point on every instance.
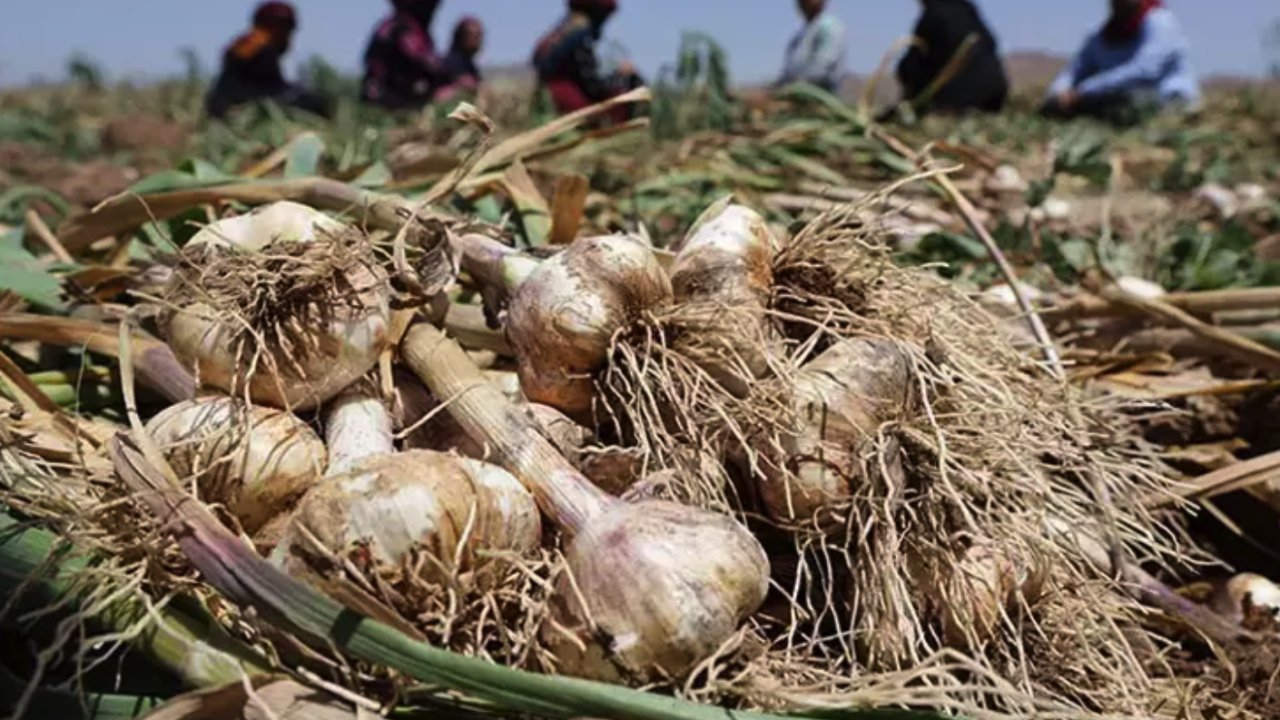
(277, 302)
(494, 614)
(993, 455)
(657, 397)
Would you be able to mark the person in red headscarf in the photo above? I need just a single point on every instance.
(251, 66)
(1138, 60)
(401, 65)
(459, 74)
(568, 66)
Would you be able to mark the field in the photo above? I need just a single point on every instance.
(1128, 377)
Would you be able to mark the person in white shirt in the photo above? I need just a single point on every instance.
(816, 54)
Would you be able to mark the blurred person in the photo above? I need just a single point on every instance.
(251, 66)
(943, 29)
(401, 66)
(816, 54)
(458, 71)
(1137, 61)
(568, 66)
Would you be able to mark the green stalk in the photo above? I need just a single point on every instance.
(90, 395)
(45, 703)
(37, 570)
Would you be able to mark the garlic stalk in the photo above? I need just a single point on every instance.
(454, 509)
(284, 299)
(612, 469)
(357, 426)
(652, 587)
(841, 398)
(254, 460)
(722, 278)
(494, 264)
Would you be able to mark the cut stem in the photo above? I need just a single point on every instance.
(487, 415)
(357, 426)
(494, 264)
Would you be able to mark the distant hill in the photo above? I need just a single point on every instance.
(1032, 69)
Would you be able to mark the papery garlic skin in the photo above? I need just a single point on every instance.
(452, 508)
(664, 584)
(255, 230)
(970, 597)
(842, 397)
(722, 277)
(254, 460)
(563, 318)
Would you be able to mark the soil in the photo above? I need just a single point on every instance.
(1251, 682)
(144, 133)
(84, 183)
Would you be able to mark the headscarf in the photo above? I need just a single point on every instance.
(1121, 29)
(597, 10)
(275, 15)
(467, 22)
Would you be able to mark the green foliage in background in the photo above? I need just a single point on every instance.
(694, 94)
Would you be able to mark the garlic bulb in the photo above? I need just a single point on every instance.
(842, 398)
(665, 584)
(254, 460)
(1244, 595)
(564, 316)
(969, 597)
(282, 298)
(454, 509)
(722, 277)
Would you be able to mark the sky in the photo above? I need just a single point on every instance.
(141, 38)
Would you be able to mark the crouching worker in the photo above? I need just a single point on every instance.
(459, 74)
(568, 67)
(1137, 62)
(251, 66)
(816, 54)
(952, 38)
(401, 65)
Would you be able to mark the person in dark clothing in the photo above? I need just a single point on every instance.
(944, 28)
(567, 64)
(401, 65)
(458, 71)
(251, 66)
